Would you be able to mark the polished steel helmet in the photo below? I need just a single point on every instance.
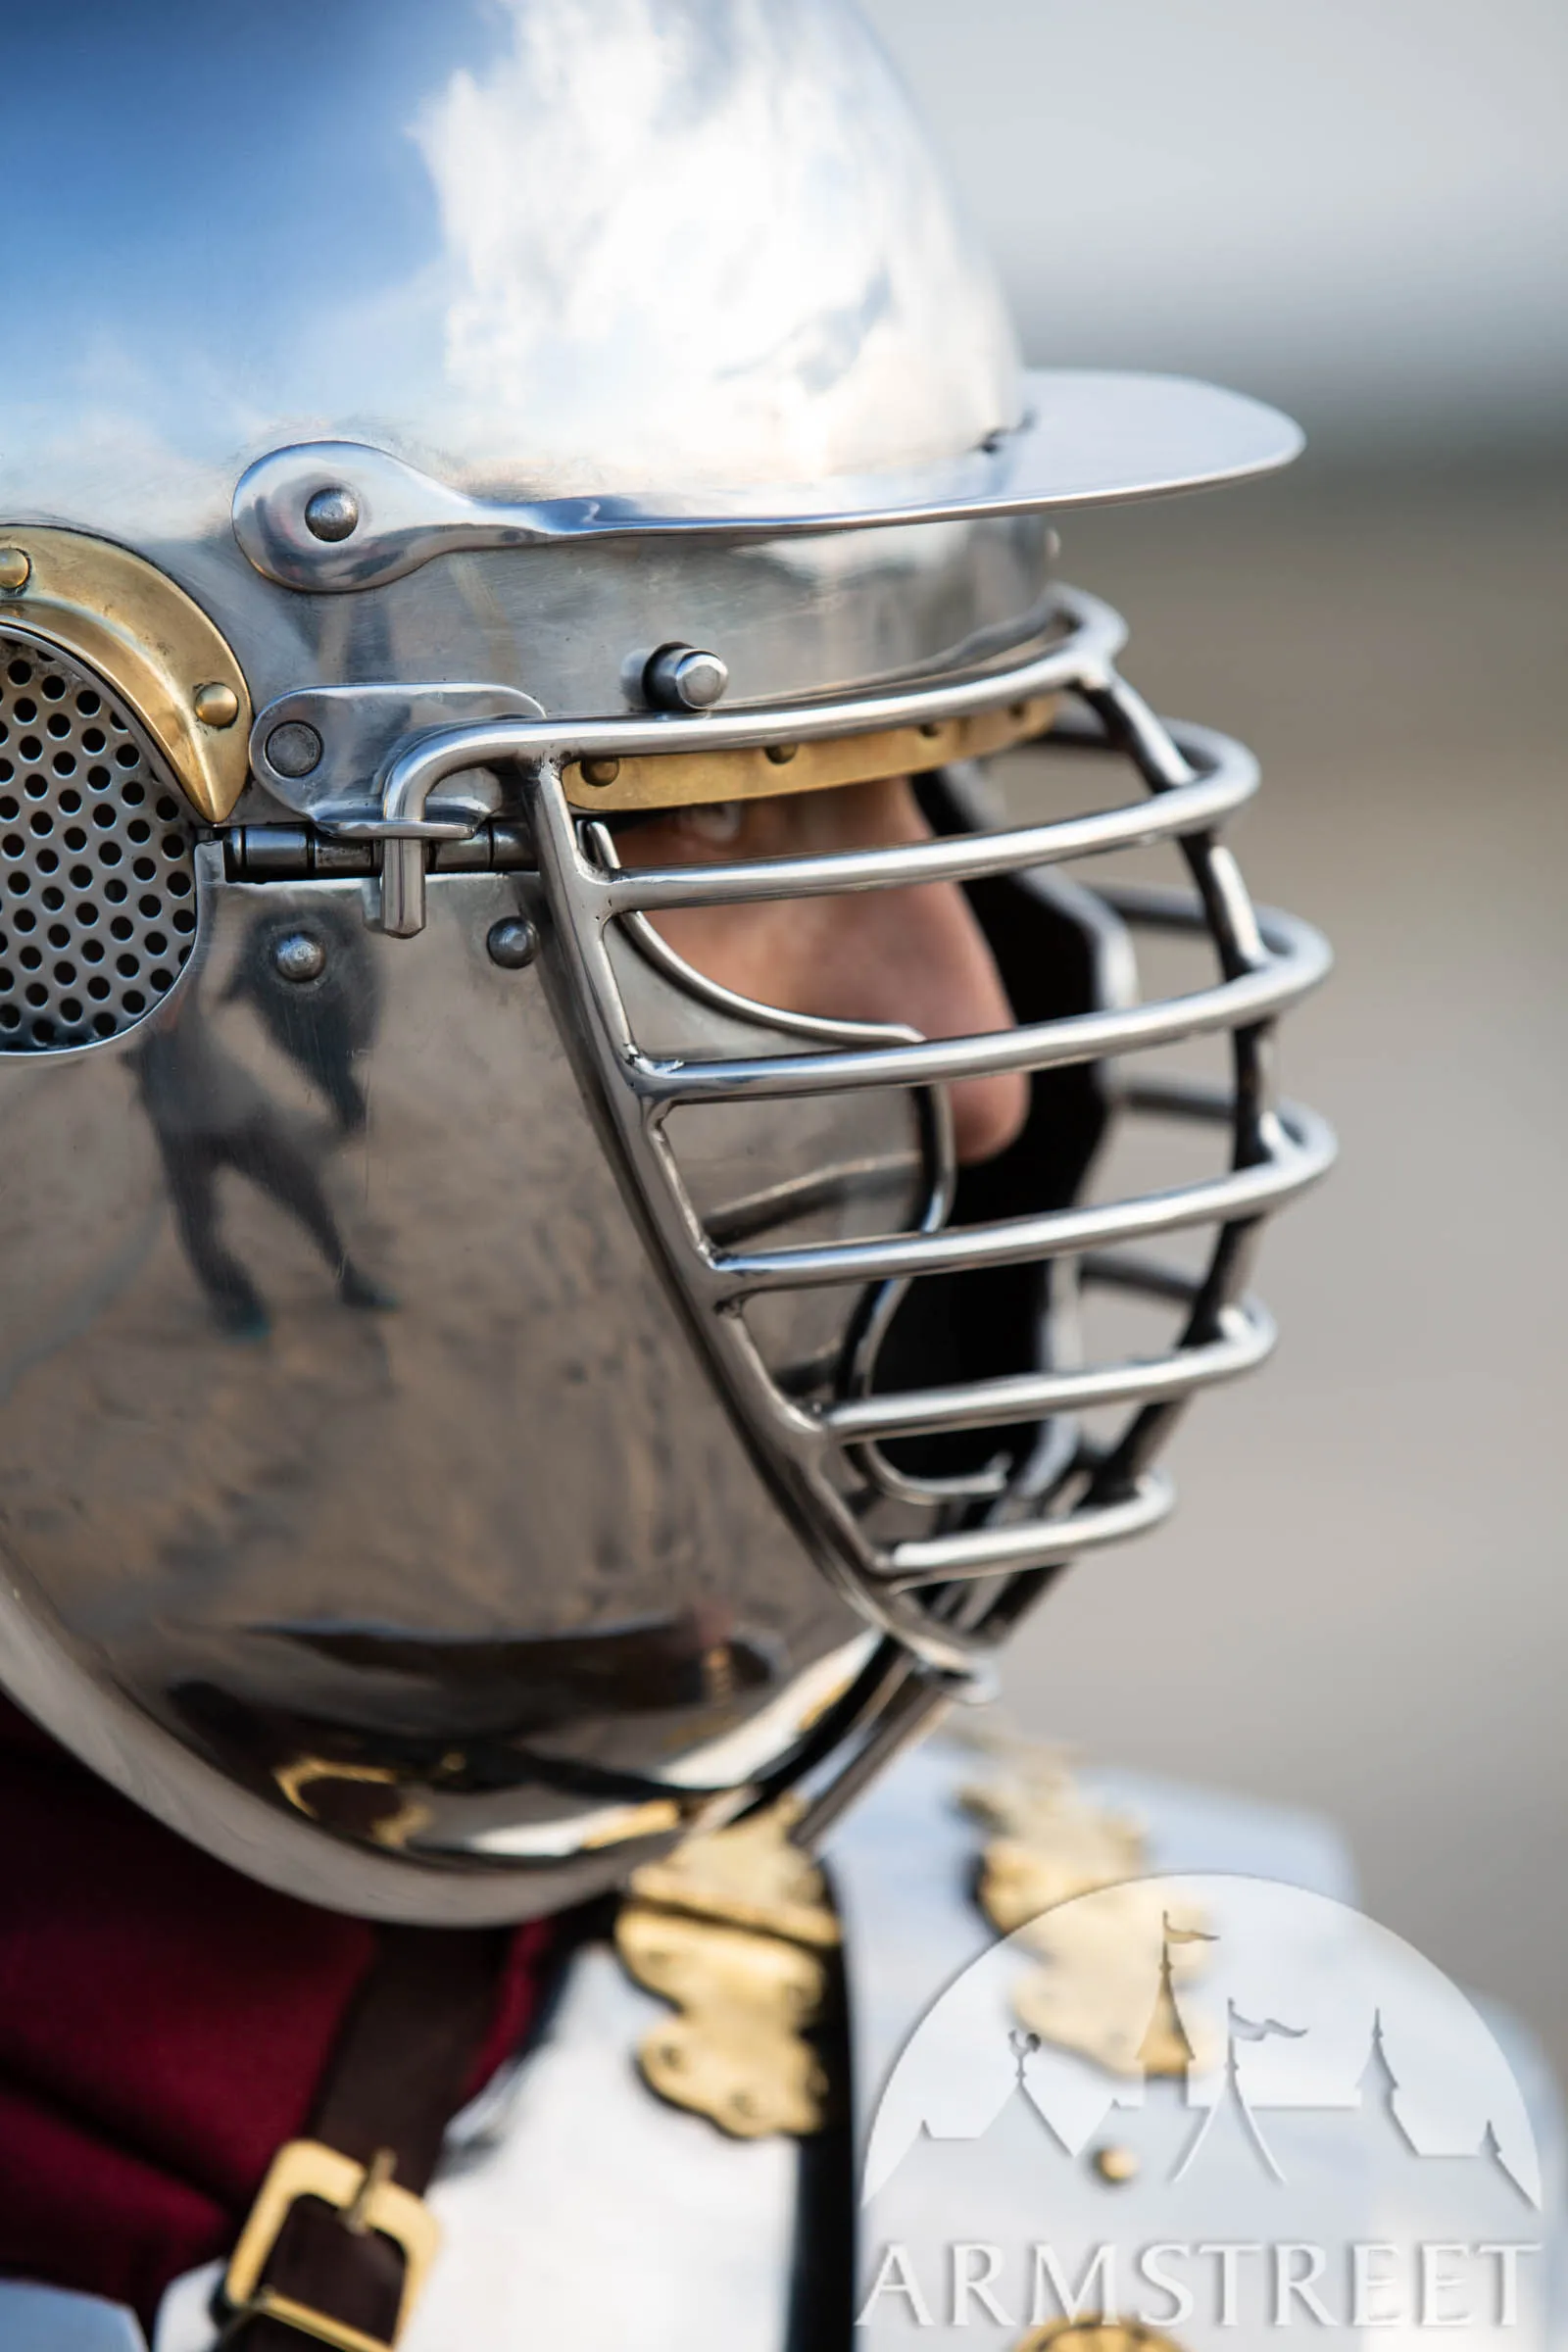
(479, 1397)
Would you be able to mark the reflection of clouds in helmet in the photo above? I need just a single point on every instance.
(641, 245)
(737, 256)
(113, 462)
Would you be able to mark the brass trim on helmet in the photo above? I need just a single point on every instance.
(147, 640)
(690, 779)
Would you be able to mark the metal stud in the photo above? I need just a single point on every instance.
(332, 515)
(299, 956)
(781, 754)
(599, 772)
(1116, 2165)
(682, 677)
(16, 569)
(512, 943)
(294, 749)
(215, 706)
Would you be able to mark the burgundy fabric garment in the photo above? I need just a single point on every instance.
(163, 2024)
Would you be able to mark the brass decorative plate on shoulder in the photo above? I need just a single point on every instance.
(736, 1931)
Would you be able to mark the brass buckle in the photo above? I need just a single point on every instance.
(368, 2198)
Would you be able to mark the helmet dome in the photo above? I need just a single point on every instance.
(533, 246)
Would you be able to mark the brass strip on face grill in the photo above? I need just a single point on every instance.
(689, 779)
(147, 640)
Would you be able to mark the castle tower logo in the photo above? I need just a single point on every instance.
(1211, 2105)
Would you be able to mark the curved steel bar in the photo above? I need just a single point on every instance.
(1242, 1193)
(1227, 780)
(1152, 743)
(1294, 967)
(1035, 1544)
(1082, 661)
(1234, 929)
(1083, 658)
(1247, 1340)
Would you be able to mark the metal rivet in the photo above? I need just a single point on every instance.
(332, 515)
(299, 956)
(1116, 2165)
(682, 677)
(215, 706)
(512, 943)
(294, 749)
(599, 772)
(16, 569)
(930, 726)
(781, 754)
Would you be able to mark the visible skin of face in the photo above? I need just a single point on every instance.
(915, 956)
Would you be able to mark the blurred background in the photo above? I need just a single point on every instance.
(1358, 209)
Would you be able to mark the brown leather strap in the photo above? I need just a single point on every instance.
(395, 2081)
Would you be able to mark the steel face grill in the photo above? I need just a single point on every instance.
(949, 1596)
(97, 874)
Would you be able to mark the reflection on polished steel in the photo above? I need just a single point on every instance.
(313, 1467)
(1085, 440)
(472, 217)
